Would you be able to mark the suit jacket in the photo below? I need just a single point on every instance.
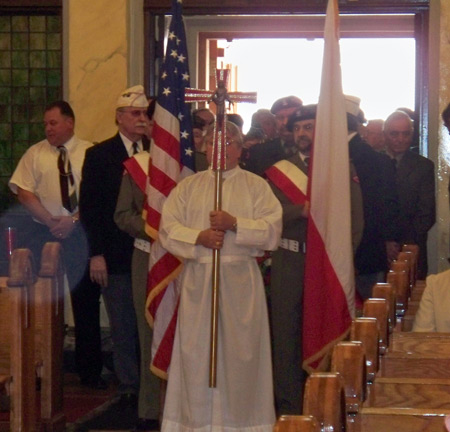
(381, 207)
(416, 190)
(102, 175)
(434, 305)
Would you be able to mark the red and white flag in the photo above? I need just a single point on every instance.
(171, 159)
(329, 276)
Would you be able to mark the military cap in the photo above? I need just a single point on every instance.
(286, 102)
(306, 112)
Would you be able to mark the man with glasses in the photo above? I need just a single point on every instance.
(111, 248)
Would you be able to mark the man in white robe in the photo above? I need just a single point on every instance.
(249, 223)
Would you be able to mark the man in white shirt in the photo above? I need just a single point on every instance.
(42, 174)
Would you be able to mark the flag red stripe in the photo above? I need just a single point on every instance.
(166, 141)
(324, 296)
(161, 181)
(164, 353)
(164, 266)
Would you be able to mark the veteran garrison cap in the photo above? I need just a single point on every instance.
(306, 112)
(133, 97)
(286, 102)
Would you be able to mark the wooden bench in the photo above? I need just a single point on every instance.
(296, 423)
(434, 344)
(379, 308)
(17, 361)
(349, 360)
(48, 337)
(365, 330)
(387, 291)
(321, 387)
(49, 291)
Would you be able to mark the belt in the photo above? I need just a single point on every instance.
(292, 245)
(142, 245)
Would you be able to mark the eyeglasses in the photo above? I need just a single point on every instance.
(134, 113)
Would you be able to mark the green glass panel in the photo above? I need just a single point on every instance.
(20, 95)
(37, 132)
(20, 24)
(54, 78)
(19, 59)
(37, 112)
(53, 94)
(5, 131)
(19, 148)
(20, 113)
(5, 113)
(38, 77)
(20, 41)
(5, 95)
(5, 77)
(5, 23)
(5, 41)
(5, 167)
(37, 23)
(5, 59)
(37, 41)
(37, 59)
(37, 94)
(54, 41)
(5, 149)
(19, 77)
(54, 24)
(54, 59)
(20, 131)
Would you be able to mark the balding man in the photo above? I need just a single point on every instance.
(373, 134)
(415, 186)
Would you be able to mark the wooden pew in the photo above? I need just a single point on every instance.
(378, 308)
(399, 279)
(326, 387)
(17, 361)
(49, 289)
(349, 360)
(432, 343)
(365, 329)
(387, 291)
(298, 423)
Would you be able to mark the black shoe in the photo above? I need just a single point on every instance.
(94, 383)
(126, 401)
(147, 425)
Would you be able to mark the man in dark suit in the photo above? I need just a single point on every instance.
(111, 248)
(415, 186)
(381, 207)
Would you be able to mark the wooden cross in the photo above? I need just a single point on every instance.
(219, 96)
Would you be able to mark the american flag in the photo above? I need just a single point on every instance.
(171, 159)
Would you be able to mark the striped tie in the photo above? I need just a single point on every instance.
(66, 181)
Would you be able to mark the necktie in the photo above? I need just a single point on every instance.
(66, 181)
(135, 148)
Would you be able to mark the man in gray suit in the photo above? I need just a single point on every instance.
(415, 186)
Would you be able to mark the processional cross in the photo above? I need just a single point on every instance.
(219, 96)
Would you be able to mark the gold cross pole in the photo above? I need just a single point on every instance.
(218, 164)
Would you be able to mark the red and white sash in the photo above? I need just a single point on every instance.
(137, 167)
(290, 179)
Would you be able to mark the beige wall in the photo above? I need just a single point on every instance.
(96, 63)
